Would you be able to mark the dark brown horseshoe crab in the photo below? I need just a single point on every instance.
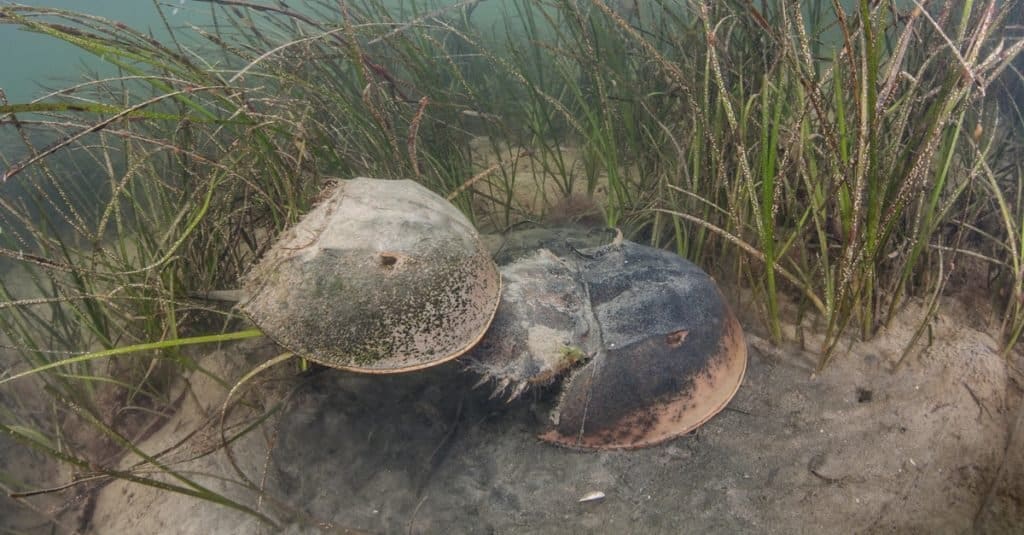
(663, 351)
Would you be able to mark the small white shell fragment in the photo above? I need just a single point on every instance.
(592, 496)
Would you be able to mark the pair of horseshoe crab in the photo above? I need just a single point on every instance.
(384, 276)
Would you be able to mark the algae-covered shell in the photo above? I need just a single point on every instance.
(383, 276)
(542, 329)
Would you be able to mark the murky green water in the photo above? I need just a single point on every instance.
(34, 61)
(41, 61)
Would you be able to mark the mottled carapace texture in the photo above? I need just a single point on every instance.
(543, 326)
(383, 276)
(653, 348)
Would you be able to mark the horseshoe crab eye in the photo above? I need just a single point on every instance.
(676, 338)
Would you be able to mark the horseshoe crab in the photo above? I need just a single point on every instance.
(651, 348)
(385, 276)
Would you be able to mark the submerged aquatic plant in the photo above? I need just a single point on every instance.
(832, 165)
(838, 158)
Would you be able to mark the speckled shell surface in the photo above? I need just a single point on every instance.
(383, 276)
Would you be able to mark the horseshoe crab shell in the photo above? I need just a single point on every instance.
(383, 276)
(541, 329)
(663, 352)
(673, 353)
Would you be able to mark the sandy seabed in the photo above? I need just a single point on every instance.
(932, 447)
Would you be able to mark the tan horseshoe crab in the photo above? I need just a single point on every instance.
(385, 276)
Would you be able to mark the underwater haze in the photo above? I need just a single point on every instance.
(35, 62)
